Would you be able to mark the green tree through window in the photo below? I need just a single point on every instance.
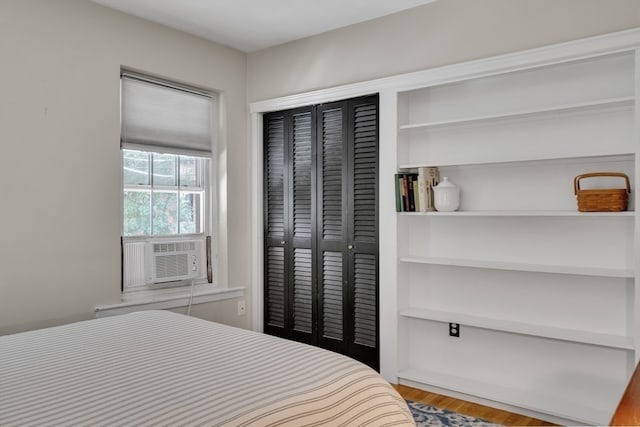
(163, 194)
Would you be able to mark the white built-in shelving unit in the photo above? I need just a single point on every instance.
(545, 296)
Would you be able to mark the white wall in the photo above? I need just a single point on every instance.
(439, 33)
(59, 122)
(60, 163)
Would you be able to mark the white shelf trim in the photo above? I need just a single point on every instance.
(525, 399)
(578, 270)
(522, 328)
(591, 158)
(624, 273)
(533, 213)
(626, 101)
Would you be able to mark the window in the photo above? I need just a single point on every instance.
(167, 143)
(163, 194)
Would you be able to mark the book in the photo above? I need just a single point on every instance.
(398, 185)
(412, 204)
(427, 179)
(405, 192)
(422, 191)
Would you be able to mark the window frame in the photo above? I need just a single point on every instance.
(208, 215)
(209, 203)
(203, 174)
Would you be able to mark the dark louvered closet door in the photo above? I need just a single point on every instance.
(302, 218)
(275, 224)
(332, 225)
(289, 216)
(363, 230)
(348, 228)
(321, 226)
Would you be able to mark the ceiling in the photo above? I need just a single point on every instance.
(250, 25)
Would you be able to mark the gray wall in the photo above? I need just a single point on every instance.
(60, 162)
(439, 33)
(59, 122)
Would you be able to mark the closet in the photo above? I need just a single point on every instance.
(321, 226)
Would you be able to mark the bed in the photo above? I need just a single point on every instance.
(159, 368)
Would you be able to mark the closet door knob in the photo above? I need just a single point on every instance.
(283, 242)
(349, 247)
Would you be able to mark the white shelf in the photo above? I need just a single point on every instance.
(523, 266)
(563, 408)
(624, 214)
(626, 101)
(521, 328)
(524, 132)
(577, 157)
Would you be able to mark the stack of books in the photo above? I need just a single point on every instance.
(414, 191)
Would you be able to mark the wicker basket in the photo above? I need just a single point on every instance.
(602, 200)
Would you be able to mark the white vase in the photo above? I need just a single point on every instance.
(446, 196)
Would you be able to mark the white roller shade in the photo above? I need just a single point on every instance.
(158, 116)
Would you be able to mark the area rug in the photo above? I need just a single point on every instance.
(426, 415)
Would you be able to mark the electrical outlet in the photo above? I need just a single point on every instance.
(241, 307)
(454, 330)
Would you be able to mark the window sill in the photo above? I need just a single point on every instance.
(162, 299)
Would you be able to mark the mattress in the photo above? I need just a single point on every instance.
(159, 368)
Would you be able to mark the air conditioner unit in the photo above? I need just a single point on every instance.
(171, 261)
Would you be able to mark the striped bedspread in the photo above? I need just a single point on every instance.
(158, 368)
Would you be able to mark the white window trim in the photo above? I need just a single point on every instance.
(177, 294)
(162, 299)
(209, 216)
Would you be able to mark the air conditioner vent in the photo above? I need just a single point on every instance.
(172, 266)
(148, 263)
(171, 261)
(174, 247)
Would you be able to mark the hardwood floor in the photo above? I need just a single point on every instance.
(497, 416)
